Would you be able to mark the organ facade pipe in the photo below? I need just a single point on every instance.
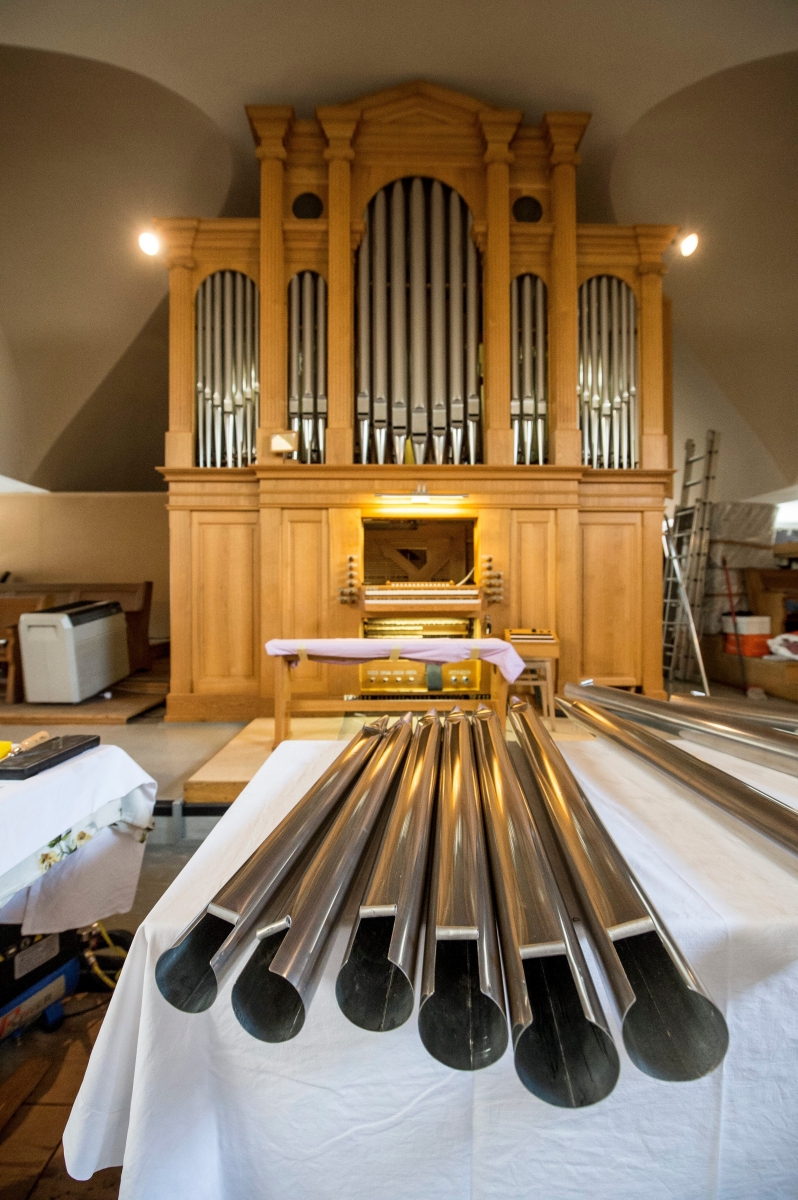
(226, 381)
(307, 374)
(528, 369)
(608, 373)
(418, 328)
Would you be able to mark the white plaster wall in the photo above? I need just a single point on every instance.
(745, 469)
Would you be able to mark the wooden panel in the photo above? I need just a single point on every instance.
(346, 537)
(612, 594)
(305, 587)
(533, 580)
(225, 626)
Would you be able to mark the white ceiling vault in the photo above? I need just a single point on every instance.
(112, 112)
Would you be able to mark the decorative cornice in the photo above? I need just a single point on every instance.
(269, 124)
(178, 235)
(564, 132)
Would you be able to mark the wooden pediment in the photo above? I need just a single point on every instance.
(418, 103)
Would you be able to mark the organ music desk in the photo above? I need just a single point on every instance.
(418, 307)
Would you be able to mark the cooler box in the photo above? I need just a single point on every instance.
(754, 633)
(73, 651)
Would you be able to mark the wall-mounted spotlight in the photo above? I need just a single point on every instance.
(688, 244)
(149, 243)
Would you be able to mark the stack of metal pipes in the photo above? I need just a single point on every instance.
(528, 396)
(418, 370)
(469, 872)
(227, 370)
(307, 365)
(607, 386)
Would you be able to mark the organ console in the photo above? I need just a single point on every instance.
(418, 307)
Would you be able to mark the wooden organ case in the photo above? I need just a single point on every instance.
(419, 308)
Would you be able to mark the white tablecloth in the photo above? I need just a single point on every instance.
(195, 1109)
(62, 862)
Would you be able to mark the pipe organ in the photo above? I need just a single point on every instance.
(415, 317)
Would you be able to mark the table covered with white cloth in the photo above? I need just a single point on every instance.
(73, 840)
(196, 1109)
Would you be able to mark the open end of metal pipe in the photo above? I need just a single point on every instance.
(459, 1025)
(265, 1004)
(373, 992)
(671, 1032)
(184, 974)
(562, 1057)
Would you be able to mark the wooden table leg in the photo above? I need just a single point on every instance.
(282, 701)
(498, 696)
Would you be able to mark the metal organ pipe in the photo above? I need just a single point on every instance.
(515, 358)
(473, 406)
(321, 367)
(456, 402)
(217, 368)
(380, 309)
(307, 371)
(608, 372)
(438, 322)
(398, 323)
(418, 368)
(238, 380)
(419, 413)
(363, 402)
(528, 401)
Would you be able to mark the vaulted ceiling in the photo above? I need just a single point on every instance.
(112, 113)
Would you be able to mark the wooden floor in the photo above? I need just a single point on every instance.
(130, 698)
(43, 1073)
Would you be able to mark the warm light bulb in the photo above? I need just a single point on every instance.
(688, 244)
(149, 243)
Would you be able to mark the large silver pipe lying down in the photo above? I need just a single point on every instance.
(190, 973)
(763, 813)
(375, 986)
(607, 385)
(564, 1052)
(461, 1017)
(771, 718)
(307, 364)
(226, 330)
(671, 1028)
(273, 992)
(733, 734)
(418, 263)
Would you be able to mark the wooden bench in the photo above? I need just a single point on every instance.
(135, 599)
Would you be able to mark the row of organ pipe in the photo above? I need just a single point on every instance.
(418, 380)
(608, 414)
(528, 368)
(307, 364)
(227, 370)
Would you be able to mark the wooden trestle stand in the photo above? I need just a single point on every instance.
(285, 706)
(264, 550)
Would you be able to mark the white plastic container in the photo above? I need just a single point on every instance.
(746, 625)
(73, 651)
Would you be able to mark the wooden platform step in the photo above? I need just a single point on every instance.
(226, 775)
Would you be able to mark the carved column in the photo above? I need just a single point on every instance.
(499, 129)
(269, 126)
(179, 236)
(564, 132)
(652, 241)
(339, 127)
